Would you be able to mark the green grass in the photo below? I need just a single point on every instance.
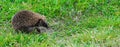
(76, 23)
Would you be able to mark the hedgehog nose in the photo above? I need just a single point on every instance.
(47, 27)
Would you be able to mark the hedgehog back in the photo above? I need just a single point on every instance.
(25, 19)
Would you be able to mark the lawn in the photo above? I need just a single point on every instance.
(75, 23)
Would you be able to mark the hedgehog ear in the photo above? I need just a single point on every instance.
(43, 23)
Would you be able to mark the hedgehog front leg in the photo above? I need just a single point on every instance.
(38, 29)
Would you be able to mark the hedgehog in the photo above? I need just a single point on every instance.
(28, 21)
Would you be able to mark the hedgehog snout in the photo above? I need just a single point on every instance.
(45, 24)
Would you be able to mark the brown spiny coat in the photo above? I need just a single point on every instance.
(25, 19)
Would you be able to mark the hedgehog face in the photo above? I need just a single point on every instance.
(39, 24)
(42, 23)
